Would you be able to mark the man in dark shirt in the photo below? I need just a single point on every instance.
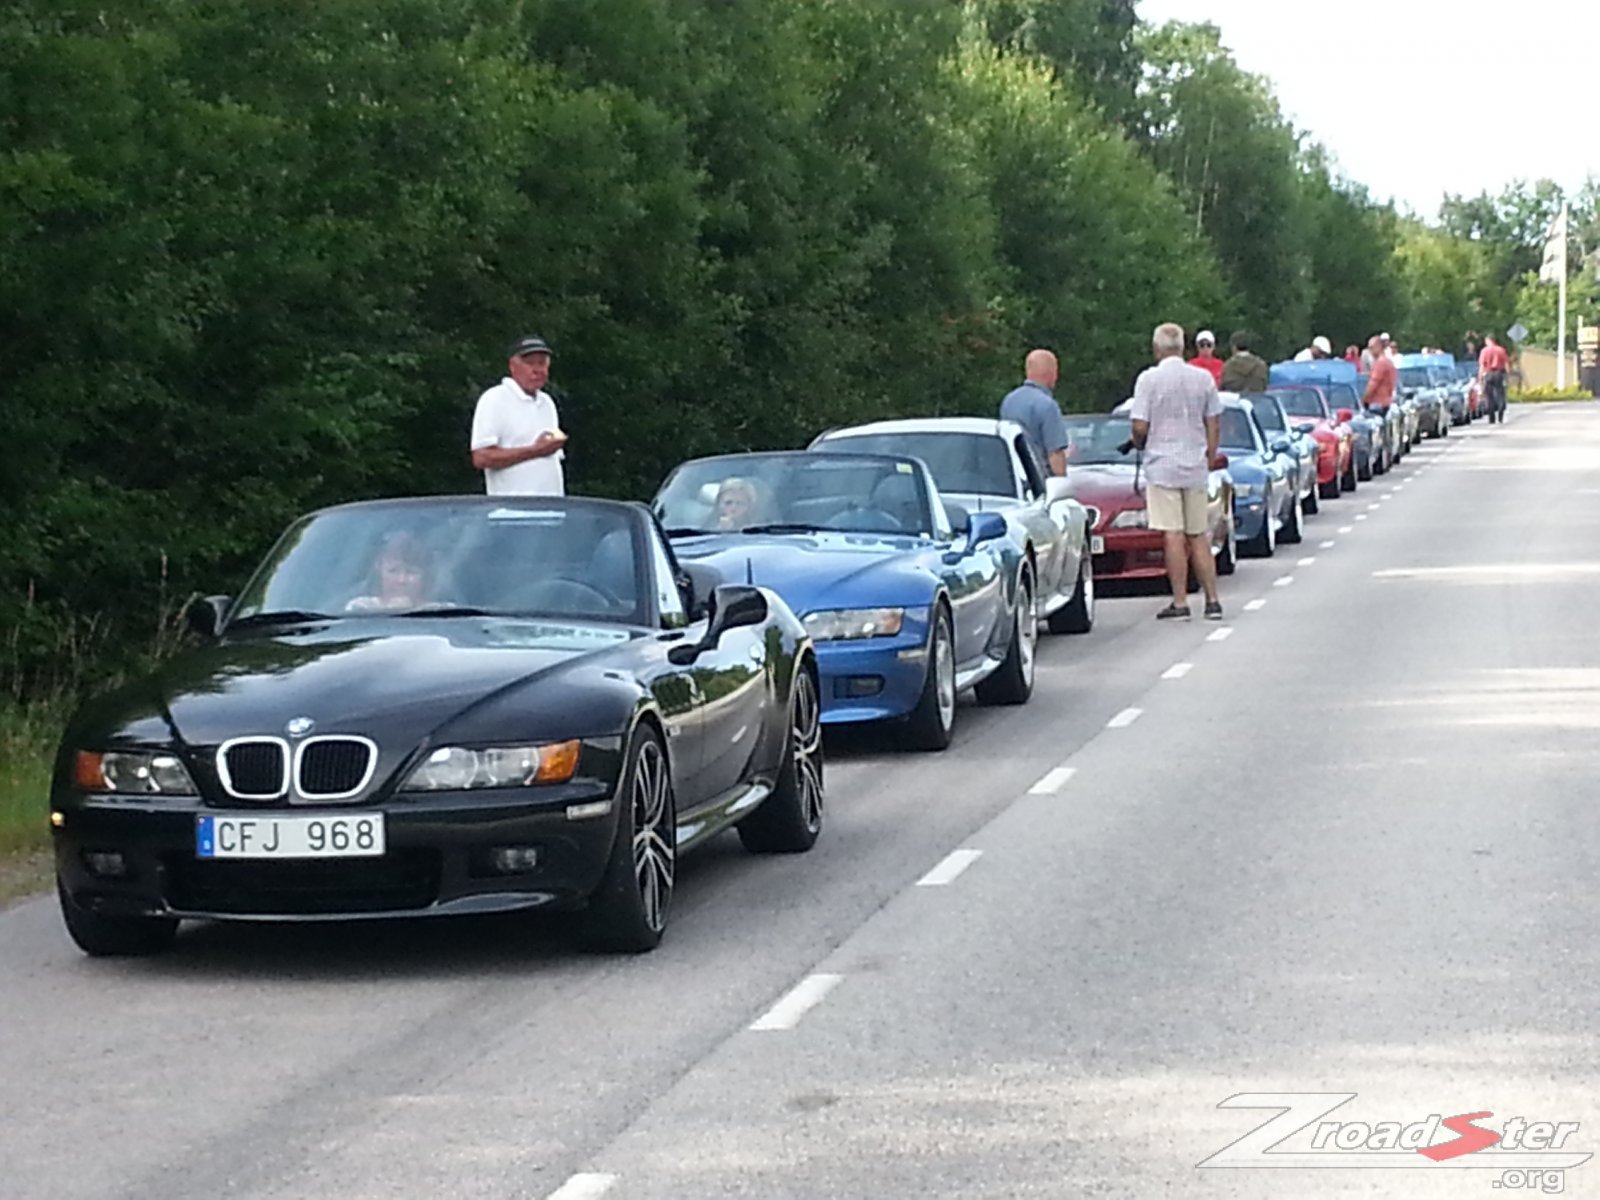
(1243, 372)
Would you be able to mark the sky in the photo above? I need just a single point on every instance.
(1395, 89)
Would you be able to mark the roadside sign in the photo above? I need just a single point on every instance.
(1518, 332)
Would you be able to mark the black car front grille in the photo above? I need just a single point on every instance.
(334, 767)
(255, 769)
(400, 881)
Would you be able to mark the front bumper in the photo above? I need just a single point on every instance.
(1249, 519)
(874, 679)
(436, 859)
(1131, 554)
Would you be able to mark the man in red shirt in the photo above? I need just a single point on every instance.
(1205, 343)
(1493, 363)
(1380, 384)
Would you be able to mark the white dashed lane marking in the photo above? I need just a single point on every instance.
(800, 1000)
(1052, 781)
(584, 1187)
(1283, 581)
(1125, 718)
(1255, 606)
(950, 868)
(1177, 671)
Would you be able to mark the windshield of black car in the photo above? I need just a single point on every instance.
(522, 557)
(1416, 377)
(1094, 440)
(796, 492)
(976, 463)
(1236, 432)
(1302, 402)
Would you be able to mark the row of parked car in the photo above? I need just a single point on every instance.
(445, 705)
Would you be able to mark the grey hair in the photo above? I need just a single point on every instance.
(1168, 339)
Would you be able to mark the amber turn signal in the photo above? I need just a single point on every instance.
(557, 763)
(88, 772)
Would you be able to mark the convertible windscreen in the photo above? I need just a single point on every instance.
(524, 557)
(1416, 377)
(1269, 415)
(796, 493)
(1236, 431)
(972, 463)
(1095, 440)
(1301, 402)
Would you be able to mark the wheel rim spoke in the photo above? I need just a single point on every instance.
(807, 752)
(945, 667)
(654, 854)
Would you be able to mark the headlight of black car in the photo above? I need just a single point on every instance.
(461, 768)
(132, 772)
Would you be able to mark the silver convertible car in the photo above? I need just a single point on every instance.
(982, 465)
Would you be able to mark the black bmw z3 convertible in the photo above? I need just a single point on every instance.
(442, 706)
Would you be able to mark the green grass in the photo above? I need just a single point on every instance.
(27, 741)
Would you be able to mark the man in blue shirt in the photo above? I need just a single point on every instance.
(1034, 407)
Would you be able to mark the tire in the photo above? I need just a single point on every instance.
(1348, 481)
(1013, 682)
(1077, 616)
(1364, 472)
(1228, 556)
(1312, 504)
(1265, 543)
(790, 819)
(932, 723)
(628, 912)
(103, 936)
(1329, 490)
(1291, 533)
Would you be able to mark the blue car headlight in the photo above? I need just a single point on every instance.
(850, 624)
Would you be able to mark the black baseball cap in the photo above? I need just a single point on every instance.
(530, 344)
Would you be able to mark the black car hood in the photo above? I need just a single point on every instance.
(395, 678)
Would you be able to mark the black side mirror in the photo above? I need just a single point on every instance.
(205, 615)
(733, 606)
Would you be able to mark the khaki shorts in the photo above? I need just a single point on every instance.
(1175, 509)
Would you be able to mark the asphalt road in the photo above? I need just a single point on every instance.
(1344, 842)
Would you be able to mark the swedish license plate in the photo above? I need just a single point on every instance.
(343, 835)
(1097, 544)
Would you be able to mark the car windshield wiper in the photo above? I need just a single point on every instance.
(686, 531)
(450, 610)
(789, 527)
(279, 616)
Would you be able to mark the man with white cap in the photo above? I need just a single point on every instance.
(1205, 344)
(1319, 349)
(516, 435)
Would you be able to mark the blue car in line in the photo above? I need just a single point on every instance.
(1266, 501)
(909, 600)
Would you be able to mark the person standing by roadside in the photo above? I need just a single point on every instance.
(1493, 364)
(1033, 406)
(1177, 422)
(1243, 372)
(1205, 358)
(1381, 383)
(516, 434)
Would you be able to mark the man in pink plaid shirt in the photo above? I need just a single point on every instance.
(1177, 421)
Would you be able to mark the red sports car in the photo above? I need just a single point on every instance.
(1112, 486)
(1306, 405)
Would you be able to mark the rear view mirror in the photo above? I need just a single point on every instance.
(985, 527)
(1305, 427)
(733, 606)
(1346, 416)
(1282, 446)
(205, 616)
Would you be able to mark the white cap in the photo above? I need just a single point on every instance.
(1386, 337)
(1205, 335)
(1322, 343)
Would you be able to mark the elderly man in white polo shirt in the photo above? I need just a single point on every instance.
(516, 433)
(1177, 421)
